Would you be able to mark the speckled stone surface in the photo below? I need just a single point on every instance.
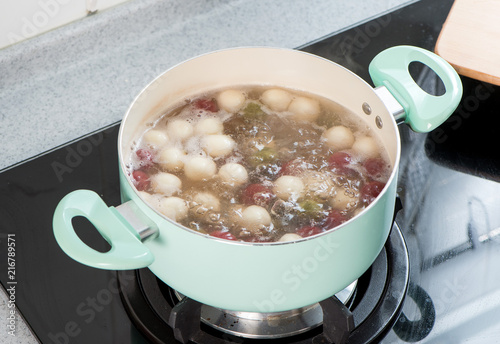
(77, 79)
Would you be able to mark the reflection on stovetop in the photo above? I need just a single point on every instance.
(468, 141)
(450, 190)
(454, 243)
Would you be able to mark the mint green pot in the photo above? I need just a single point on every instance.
(260, 277)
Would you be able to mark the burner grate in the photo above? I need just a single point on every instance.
(268, 325)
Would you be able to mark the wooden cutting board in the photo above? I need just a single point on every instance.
(470, 39)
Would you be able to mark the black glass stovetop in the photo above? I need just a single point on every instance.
(448, 187)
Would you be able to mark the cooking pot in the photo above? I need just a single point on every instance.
(260, 277)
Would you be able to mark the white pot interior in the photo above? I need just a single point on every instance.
(257, 66)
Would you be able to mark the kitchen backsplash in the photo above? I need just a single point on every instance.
(20, 20)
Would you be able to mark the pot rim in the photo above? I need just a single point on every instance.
(393, 175)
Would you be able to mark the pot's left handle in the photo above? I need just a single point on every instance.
(127, 251)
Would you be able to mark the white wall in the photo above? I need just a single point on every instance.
(22, 19)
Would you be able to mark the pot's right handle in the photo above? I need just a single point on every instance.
(424, 112)
(127, 251)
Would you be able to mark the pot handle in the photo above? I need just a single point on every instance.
(127, 251)
(423, 112)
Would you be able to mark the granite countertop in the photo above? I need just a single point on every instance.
(82, 77)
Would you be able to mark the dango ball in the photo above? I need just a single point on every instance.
(179, 129)
(276, 99)
(290, 237)
(304, 109)
(254, 218)
(166, 183)
(207, 200)
(289, 187)
(174, 208)
(200, 168)
(155, 138)
(343, 200)
(218, 145)
(171, 158)
(366, 147)
(209, 126)
(318, 185)
(339, 137)
(233, 174)
(231, 100)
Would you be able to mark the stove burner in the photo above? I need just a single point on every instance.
(370, 312)
(268, 325)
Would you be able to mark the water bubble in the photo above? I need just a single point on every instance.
(201, 210)
(214, 217)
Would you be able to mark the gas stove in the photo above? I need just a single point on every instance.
(436, 280)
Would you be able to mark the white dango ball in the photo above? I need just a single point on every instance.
(304, 109)
(207, 200)
(254, 217)
(155, 138)
(171, 158)
(218, 145)
(343, 200)
(276, 99)
(209, 126)
(290, 237)
(289, 187)
(231, 100)
(366, 146)
(200, 168)
(179, 129)
(166, 183)
(339, 137)
(233, 174)
(174, 208)
(319, 185)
